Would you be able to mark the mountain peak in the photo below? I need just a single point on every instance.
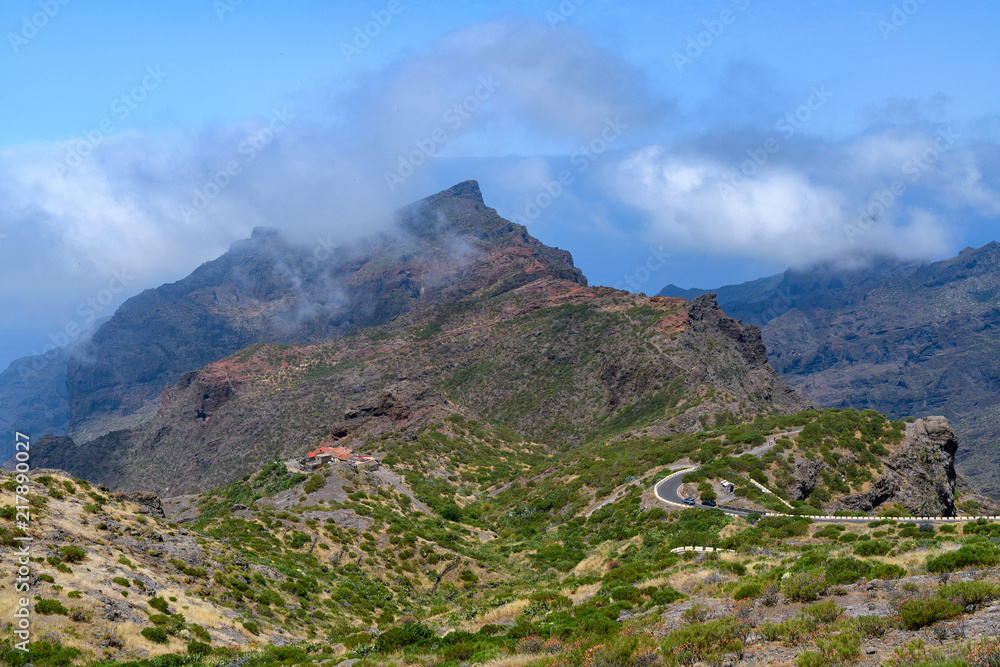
(261, 232)
(465, 190)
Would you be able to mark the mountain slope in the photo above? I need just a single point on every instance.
(468, 545)
(552, 361)
(467, 314)
(33, 395)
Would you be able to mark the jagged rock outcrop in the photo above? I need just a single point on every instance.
(806, 477)
(919, 475)
(705, 311)
(149, 503)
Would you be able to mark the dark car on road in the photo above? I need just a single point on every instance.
(689, 501)
(708, 503)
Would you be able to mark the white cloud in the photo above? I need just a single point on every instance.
(323, 175)
(804, 205)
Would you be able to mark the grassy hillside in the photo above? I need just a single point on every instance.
(552, 361)
(469, 545)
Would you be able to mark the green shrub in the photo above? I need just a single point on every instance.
(872, 548)
(871, 627)
(195, 647)
(831, 532)
(917, 614)
(251, 627)
(812, 659)
(970, 594)
(663, 595)
(121, 581)
(72, 554)
(39, 653)
(701, 642)
(803, 587)
(886, 571)
(155, 635)
(751, 590)
(159, 604)
(823, 612)
(842, 647)
(402, 636)
(968, 555)
(840, 571)
(200, 632)
(314, 483)
(50, 607)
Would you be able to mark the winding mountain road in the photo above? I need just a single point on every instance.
(668, 490)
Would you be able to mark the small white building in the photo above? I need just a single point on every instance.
(728, 487)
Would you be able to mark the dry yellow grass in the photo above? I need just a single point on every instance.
(655, 581)
(512, 660)
(912, 560)
(499, 616)
(594, 563)
(583, 593)
(688, 581)
(737, 526)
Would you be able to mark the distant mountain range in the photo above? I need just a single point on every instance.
(904, 338)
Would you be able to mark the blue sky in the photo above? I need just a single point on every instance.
(728, 139)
